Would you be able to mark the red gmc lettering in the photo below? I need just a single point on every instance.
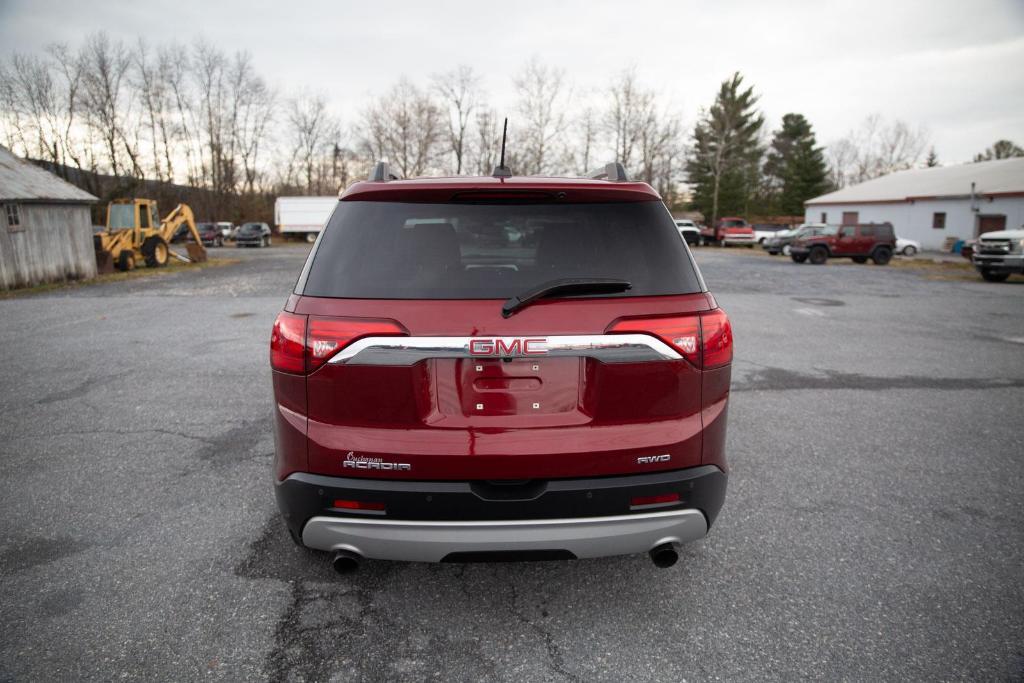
(510, 347)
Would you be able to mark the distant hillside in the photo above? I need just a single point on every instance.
(206, 204)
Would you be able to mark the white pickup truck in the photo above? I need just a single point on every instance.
(303, 216)
(1000, 254)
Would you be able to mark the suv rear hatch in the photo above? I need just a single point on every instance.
(413, 371)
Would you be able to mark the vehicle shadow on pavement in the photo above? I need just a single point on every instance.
(411, 620)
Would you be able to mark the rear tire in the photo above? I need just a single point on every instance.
(155, 252)
(909, 250)
(310, 237)
(126, 260)
(818, 255)
(798, 258)
(881, 256)
(994, 276)
(787, 250)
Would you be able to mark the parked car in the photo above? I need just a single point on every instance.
(765, 231)
(688, 231)
(907, 247)
(998, 255)
(209, 233)
(780, 243)
(448, 390)
(858, 242)
(227, 229)
(253, 235)
(729, 231)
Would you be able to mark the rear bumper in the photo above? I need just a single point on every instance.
(413, 541)
(434, 521)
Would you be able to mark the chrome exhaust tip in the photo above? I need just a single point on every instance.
(664, 555)
(346, 561)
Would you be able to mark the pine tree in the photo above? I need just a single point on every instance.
(795, 166)
(725, 153)
(933, 159)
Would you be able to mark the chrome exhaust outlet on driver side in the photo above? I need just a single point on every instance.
(346, 561)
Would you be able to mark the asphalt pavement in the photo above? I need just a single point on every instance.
(873, 528)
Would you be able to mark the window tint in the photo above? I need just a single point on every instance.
(378, 250)
(867, 231)
(848, 231)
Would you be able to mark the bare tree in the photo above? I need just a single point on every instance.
(875, 149)
(105, 102)
(542, 97)
(629, 112)
(459, 90)
(587, 129)
(313, 133)
(488, 141)
(403, 126)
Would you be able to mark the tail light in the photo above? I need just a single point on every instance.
(300, 344)
(359, 505)
(704, 339)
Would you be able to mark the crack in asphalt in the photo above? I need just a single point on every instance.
(555, 659)
(780, 379)
(80, 389)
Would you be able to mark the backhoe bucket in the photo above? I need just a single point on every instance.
(196, 252)
(104, 262)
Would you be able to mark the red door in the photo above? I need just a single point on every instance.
(991, 224)
(847, 240)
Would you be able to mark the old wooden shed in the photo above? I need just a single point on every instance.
(45, 226)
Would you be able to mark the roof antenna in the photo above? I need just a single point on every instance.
(501, 170)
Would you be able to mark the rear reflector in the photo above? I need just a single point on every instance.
(358, 505)
(654, 500)
(704, 339)
(300, 344)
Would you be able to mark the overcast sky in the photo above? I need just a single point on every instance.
(955, 67)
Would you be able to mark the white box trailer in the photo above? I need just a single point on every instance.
(303, 215)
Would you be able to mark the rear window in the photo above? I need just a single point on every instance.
(396, 250)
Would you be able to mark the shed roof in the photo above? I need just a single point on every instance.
(25, 182)
(1004, 176)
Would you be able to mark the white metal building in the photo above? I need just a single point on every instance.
(931, 204)
(45, 229)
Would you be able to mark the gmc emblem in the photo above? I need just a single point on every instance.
(508, 346)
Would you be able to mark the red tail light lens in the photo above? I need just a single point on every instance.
(300, 344)
(717, 332)
(682, 334)
(287, 343)
(327, 336)
(705, 339)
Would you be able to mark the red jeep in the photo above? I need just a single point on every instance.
(876, 241)
(729, 231)
(499, 368)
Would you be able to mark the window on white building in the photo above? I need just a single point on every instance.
(13, 218)
(939, 220)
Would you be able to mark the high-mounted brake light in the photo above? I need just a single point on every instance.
(300, 344)
(704, 339)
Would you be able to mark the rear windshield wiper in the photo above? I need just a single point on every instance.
(564, 287)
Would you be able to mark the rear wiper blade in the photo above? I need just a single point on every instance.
(564, 287)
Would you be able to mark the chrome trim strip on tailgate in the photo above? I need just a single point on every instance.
(418, 541)
(609, 348)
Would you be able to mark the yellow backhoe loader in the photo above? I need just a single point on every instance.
(135, 235)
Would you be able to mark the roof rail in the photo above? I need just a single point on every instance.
(382, 173)
(613, 172)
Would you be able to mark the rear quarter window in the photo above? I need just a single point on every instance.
(400, 250)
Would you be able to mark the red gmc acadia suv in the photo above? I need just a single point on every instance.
(500, 368)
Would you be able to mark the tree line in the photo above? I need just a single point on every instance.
(196, 115)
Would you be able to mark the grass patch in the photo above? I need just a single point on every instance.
(174, 266)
